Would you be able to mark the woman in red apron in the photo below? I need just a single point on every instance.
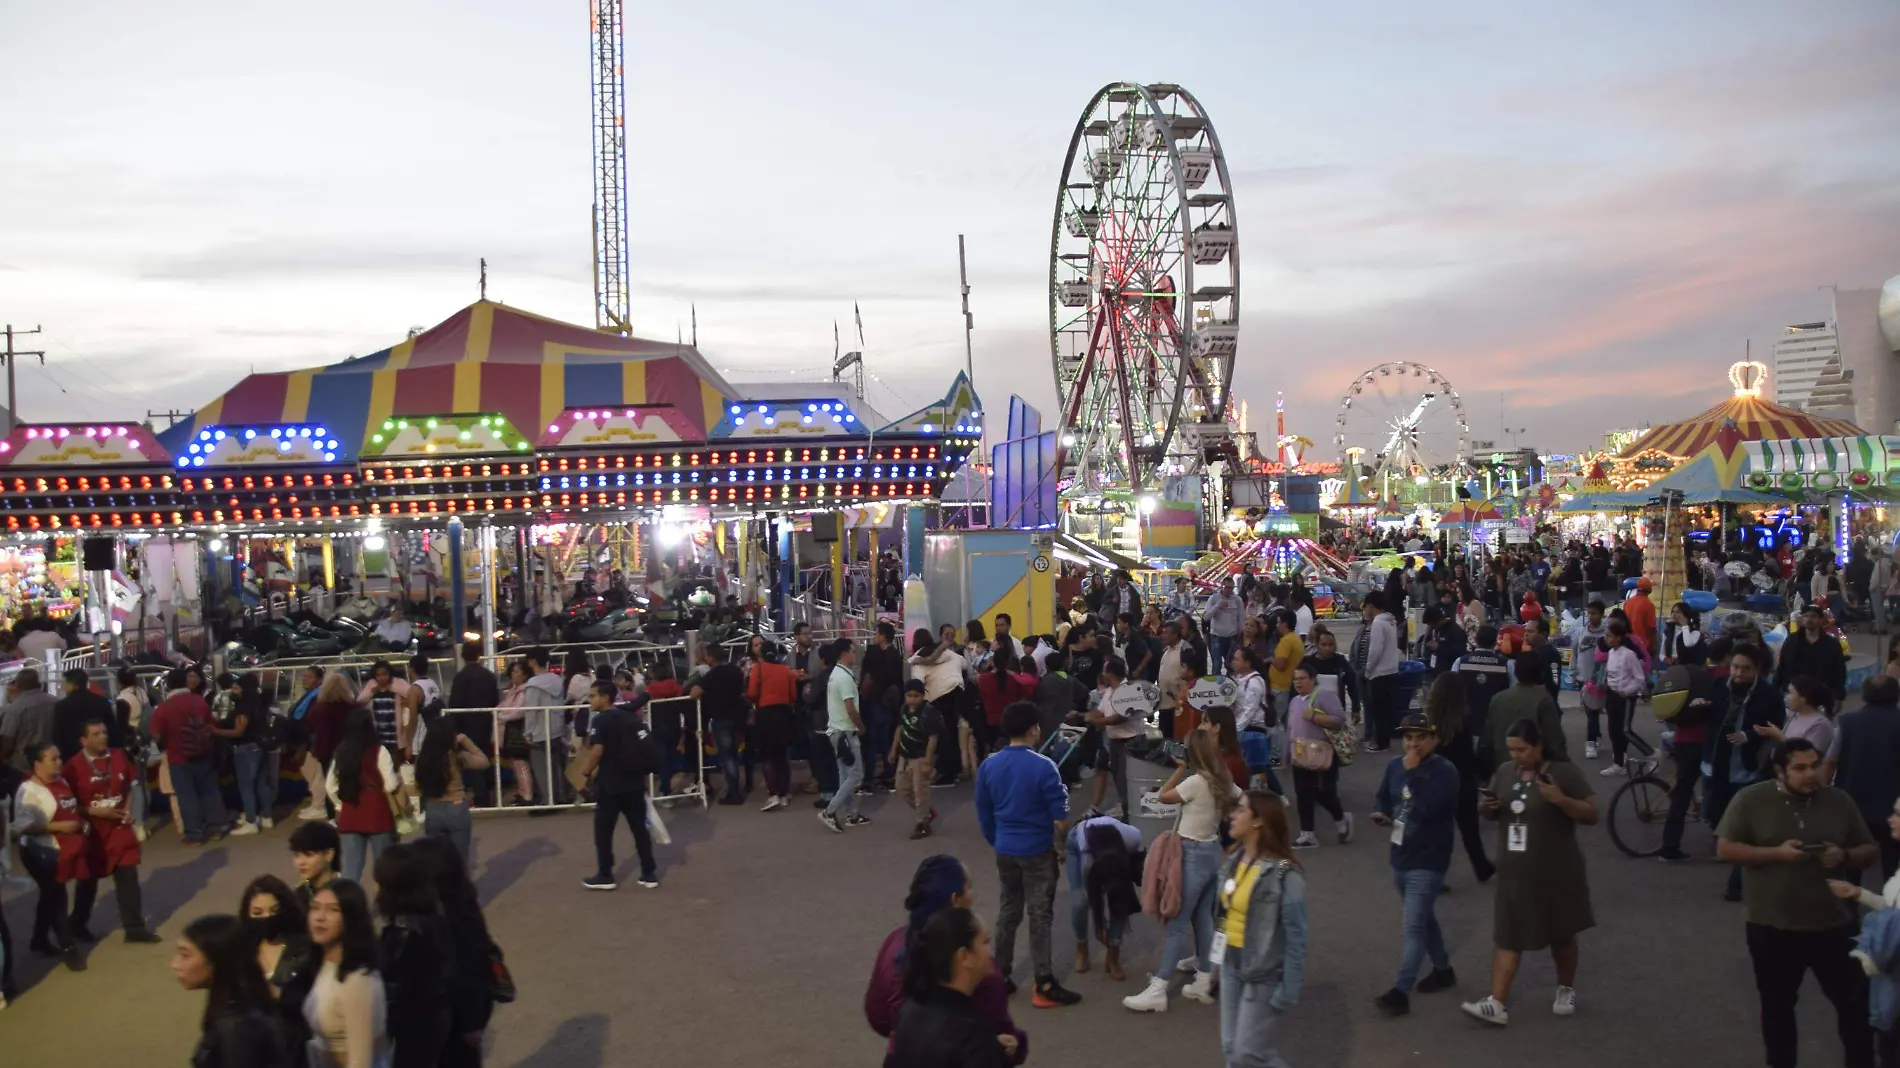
(52, 836)
(101, 778)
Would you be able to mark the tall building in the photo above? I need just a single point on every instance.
(1802, 356)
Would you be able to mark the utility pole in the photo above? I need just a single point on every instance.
(13, 410)
(969, 323)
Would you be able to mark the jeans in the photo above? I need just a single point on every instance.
(256, 780)
(608, 809)
(196, 784)
(548, 761)
(1247, 1019)
(1220, 651)
(879, 723)
(844, 800)
(1079, 902)
(353, 847)
(1115, 763)
(125, 883)
(1200, 874)
(1782, 959)
(49, 911)
(1031, 882)
(450, 820)
(1688, 770)
(139, 802)
(726, 740)
(1418, 888)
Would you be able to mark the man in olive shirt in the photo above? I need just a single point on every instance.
(1789, 835)
(1525, 699)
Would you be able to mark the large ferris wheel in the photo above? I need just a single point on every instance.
(1144, 293)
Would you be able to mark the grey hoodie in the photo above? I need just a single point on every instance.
(544, 691)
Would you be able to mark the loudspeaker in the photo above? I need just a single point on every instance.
(825, 525)
(97, 554)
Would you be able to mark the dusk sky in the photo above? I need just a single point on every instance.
(1582, 210)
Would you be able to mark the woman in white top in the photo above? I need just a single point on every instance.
(1810, 714)
(1623, 682)
(1206, 793)
(1470, 612)
(346, 1007)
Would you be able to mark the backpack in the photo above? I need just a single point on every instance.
(194, 739)
(639, 752)
(814, 696)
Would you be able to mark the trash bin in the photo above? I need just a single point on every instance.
(1411, 683)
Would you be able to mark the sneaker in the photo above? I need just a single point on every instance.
(1589, 750)
(1566, 1003)
(142, 937)
(857, 819)
(1188, 965)
(922, 830)
(243, 827)
(1201, 989)
(943, 782)
(649, 882)
(1306, 840)
(772, 804)
(1344, 827)
(1612, 771)
(1153, 998)
(1672, 856)
(72, 959)
(1273, 762)
(314, 812)
(1439, 979)
(1050, 995)
(866, 791)
(1393, 1002)
(1490, 1010)
(600, 882)
(831, 822)
(267, 822)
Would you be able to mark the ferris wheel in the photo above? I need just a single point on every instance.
(1407, 418)
(1144, 292)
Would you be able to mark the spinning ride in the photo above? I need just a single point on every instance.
(1408, 419)
(1144, 297)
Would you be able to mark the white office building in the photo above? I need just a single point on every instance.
(1803, 354)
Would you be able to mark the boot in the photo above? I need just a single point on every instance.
(1082, 958)
(1201, 989)
(1153, 999)
(1112, 963)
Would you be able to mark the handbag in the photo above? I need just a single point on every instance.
(1312, 754)
(501, 981)
(1345, 744)
(406, 822)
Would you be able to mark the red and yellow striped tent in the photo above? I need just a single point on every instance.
(1754, 418)
(485, 358)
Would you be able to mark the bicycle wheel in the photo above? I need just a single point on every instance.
(1637, 814)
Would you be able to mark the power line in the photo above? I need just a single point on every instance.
(13, 403)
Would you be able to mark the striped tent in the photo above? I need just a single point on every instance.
(1860, 463)
(1756, 420)
(486, 358)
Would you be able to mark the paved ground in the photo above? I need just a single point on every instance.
(757, 949)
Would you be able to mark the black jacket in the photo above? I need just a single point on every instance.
(1821, 658)
(475, 687)
(943, 1030)
(69, 721)
(1761, 705)
(251, 1038)
(1869, 764)
(413, 956)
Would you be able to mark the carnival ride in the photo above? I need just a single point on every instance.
(1411, 421)
(1144, 298)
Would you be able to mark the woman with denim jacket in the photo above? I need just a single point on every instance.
(1263, 895)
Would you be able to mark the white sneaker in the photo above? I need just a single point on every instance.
(1306, 840)
(1344, 827)
(1153, 999)
(140, 831)
(1589, 750)
(771, 803)
(1187, 965)
(243, 827)
(267, 822)
(1612, 771)
(1490, 1010)
(1201, 989)
(1566, 1003)
(314, 812)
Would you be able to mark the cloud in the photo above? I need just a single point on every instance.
(269, 259)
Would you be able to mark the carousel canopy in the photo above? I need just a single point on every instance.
(1469, 514)
(485, 358)
(1711, 476)
(1755, 419)
(1354, 495)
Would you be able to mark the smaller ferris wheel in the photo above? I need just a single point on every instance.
(1407, 418)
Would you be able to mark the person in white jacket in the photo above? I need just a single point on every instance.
(941, 669)
(1624, 679)
(1375, 655)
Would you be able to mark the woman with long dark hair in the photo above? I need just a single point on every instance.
(1102, 895)
(940, 882)
(240, 1027)
(363, 784)
(445, 754)
(1263, 891)
(1446, 706)
(942, 670)
(346, 1010)
(274, 918)
(473, 954)
(412, 955)
(939, 1025)
(1001, 684)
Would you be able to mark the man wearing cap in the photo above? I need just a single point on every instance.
(1641, 612)
(1813, 651)
(1417, 801)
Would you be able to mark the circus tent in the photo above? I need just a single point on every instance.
(1755, 419)
(488, 357)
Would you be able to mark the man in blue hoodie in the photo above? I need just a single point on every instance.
(1418, 800)
(1023, 808)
